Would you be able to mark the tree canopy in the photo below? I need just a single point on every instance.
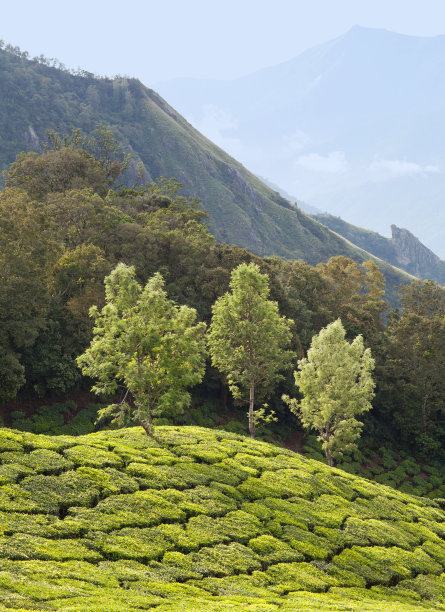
(248, 338)
(145, 345)
(336, 383)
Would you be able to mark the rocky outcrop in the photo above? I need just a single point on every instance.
(414, 256)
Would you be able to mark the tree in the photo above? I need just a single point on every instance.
(146, 344)
(355, 295)
(26, 256)
(74, 161)
(336, 382)
(248, 337)
(413, 384)
(56, 172)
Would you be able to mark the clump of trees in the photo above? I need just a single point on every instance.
(68, 220)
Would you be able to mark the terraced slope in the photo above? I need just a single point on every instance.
(205, 520)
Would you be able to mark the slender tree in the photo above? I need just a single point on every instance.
(146, 344)
(248, 338)
(336, 382)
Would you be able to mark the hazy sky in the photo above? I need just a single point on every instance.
(163, 39)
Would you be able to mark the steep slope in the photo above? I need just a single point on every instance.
(354, 126)
(205, 520)
(242, 209)
(402, 250)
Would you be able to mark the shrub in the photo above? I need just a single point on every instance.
(92, 456)
(129, 543)
(226, 559)
(201, 500)
(272, 550)
(26, 546)
(306, 543)
(41, 461)
(287, 577)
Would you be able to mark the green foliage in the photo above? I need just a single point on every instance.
(412, 379)
(337, 385)
(148, 344)
(25, 248)
(57, 419)
(77, 531)
(248, 338)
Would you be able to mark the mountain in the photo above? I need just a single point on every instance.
(205, 520)
(307, 208)
(242, 209)
(355, 126)
(403, 249)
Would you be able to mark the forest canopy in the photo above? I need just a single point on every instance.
(67, 221)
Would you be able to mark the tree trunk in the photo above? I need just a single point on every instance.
(326, 435)
(251, 421)
(329, 458)
(144, 414)
(147, 427)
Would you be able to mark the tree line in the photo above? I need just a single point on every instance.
(67, 223)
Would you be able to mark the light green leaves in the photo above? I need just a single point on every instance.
(248, 338)
(337, 385)
(146, 344)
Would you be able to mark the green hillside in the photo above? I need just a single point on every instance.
(242, 209)
(205, 520)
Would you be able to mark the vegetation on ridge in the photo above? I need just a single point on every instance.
(242, 209)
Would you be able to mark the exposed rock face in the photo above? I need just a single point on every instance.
(412, 254)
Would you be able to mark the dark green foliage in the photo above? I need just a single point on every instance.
(58, 418)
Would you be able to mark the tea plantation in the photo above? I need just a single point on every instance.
(205, 520)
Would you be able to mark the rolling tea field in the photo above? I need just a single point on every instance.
(205, 520)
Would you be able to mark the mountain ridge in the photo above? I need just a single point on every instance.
(353, 126)
(402, 250)
(242, 209)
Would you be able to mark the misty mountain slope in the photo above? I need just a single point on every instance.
(242, 209)
(355, 126)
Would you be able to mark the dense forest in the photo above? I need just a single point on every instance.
(68, 219)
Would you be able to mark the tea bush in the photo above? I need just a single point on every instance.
(207, 520)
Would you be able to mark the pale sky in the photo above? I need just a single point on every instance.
(163, 39)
